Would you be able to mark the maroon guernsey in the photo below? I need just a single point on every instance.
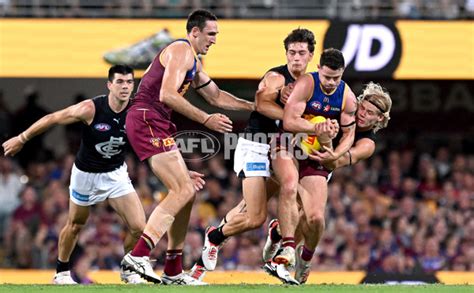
(148, 124)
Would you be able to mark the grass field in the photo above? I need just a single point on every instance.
(236, 288)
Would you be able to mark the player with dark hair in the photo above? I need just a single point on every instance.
(251, 161)
(373, 114)
(320, 93)
(99, 172)
(150, 130)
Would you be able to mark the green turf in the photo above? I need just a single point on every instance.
(236, 288)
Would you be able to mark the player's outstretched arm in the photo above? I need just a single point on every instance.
(177, 59)
(83, 111)
(363, 149)
(209, 90)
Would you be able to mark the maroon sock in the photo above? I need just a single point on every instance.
(307, 254)
(143, 246)
(174, 262)
(288, 241)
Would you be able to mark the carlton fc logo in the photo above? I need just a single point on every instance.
(316, 105)
(102, 127)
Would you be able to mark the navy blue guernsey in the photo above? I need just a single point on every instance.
(370, 134)
(261, 123)
(104, 141)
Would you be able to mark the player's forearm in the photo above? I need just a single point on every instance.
(39, 127)
(182, 106)
(345, 143)
(298, 125)
(341, 162)
(270, 110)
(228, 101)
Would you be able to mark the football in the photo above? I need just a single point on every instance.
(311, 143)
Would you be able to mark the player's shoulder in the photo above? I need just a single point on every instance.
(306, 78)
(274, 76)
(180, 46)
(88, 104)
(273, 79)
(348, 90)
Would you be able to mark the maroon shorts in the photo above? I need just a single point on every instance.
(310, 167)
(149, 132)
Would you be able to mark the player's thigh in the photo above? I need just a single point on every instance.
(78, 214)
(171, 169)
(313, 192)
(130, 210)
(285, 169)
(254, 193)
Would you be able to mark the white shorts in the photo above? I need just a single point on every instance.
(251, 158)
(87, 189)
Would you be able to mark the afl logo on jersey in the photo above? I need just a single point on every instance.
(316, 105)
(102, 127)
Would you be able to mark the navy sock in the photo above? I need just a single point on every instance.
(216, 236)
(62, 266)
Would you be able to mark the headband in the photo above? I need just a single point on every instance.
(376, 106)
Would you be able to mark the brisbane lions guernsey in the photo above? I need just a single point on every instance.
(328, 105)
(148, 93)
(104, 141)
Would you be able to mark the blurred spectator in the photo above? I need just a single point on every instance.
(5, 118)
(10, 188)
(432, 260)
(25, 116)
(74, 131)
(25, 222)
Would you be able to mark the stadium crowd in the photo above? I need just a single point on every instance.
(406, 210)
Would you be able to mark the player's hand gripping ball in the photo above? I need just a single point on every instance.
(311, 143)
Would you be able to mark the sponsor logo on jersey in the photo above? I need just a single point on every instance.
(327, 108)
(102, 127)
(256, 166)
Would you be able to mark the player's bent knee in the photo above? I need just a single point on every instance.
(257, 221)
(316, 221)
(188, 191)
(288, 190)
